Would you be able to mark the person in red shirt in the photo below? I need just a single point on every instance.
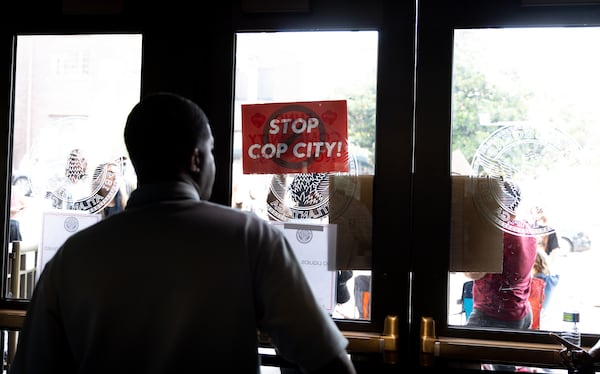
(501, 299)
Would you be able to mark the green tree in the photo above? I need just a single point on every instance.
(361, 120)
(478, 104)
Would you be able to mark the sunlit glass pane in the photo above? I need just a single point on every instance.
(310, 70)
(525, 143)
(69, 162)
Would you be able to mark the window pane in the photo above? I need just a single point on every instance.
(290, 67)
(69, 162)
(525, 113)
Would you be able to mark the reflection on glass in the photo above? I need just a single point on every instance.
(524, 110)
(72, 96)
(290, 67)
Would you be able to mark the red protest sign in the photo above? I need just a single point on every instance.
(300, 137)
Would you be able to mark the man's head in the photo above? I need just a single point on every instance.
(168, 138)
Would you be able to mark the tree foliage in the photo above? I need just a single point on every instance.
(361, 120)
(478, 106)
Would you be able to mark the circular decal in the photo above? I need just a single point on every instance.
(306, 196)
(81, 190)
(516, 169)
(304, 236)
(71, 224)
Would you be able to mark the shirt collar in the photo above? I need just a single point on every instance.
(160, 192)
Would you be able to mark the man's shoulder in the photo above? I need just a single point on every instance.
(229, 216)
(227, 212)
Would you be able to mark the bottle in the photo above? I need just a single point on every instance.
(570, 329)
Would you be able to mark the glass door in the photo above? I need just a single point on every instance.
(295, 93)
(69, 162)
(525, 113)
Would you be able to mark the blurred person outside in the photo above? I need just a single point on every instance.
(18, 203)
(129, 179)
(547, 242)
(501, 299)
(197, 282)
(542, 270)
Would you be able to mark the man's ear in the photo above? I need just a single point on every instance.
(195, 161)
